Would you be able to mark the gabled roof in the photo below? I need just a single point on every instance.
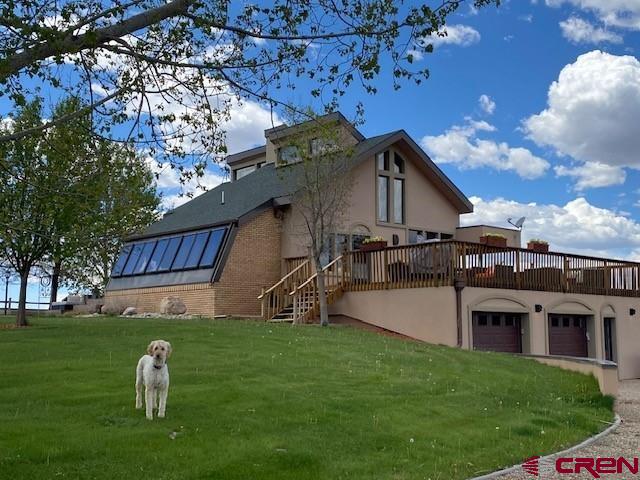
(261, 187)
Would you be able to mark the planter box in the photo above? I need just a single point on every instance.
(369, 247)
(538, 247)
(491, 241)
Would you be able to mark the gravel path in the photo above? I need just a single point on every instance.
(624, 441)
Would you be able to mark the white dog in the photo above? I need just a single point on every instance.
(152, 372)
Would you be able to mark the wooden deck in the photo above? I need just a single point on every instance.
(477, 265)
(448, 263)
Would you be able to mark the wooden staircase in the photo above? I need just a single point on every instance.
(295, 298)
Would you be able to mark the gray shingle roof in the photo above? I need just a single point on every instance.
(255, 190)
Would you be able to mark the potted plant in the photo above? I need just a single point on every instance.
(373, 243)
(494, 240)
(538, 245)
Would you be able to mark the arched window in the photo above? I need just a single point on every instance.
(359, 233)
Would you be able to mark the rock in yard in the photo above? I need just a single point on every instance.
(130, 311)
(172, 306)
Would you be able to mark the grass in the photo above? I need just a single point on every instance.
(250, 400)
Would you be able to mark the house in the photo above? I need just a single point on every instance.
(241, 250)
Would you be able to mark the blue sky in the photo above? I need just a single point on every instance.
(532, 109)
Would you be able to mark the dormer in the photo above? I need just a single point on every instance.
(246, 162)
(283, 141)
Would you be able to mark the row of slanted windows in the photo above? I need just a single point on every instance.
(170, 254)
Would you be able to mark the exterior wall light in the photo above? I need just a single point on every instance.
(538, 308)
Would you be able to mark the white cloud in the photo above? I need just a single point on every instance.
(416, 54)
(526, 18)
(616, 13)
(462, 35)
(487, 104)
(461, 146)
(592, 112)
(578, 30)
(577, 226)
(174, 193)
(593, 175)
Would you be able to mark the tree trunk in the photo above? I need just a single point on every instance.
(322, 299)
(21, 317)
(55, 281)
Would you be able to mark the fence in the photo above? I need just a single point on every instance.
(8, 306)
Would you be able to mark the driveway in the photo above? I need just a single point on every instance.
(624, 441)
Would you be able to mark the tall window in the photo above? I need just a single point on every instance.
(383, 198)
(391, 191)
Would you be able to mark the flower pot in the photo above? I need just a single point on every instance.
(538, 247)
(371, 246)
(492, 241)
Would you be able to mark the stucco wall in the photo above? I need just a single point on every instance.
(473, 234)
(627, 329)
(425, 209)
(427, 314)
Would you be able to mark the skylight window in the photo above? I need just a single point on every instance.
(121, 261)
(180, 252)
(196, 250)
(154, 263)
(183, 252)
(213, 245)
(133, 259)
(145, 255)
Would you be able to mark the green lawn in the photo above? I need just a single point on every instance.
(254, 401)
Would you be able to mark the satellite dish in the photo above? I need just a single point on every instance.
(518, 224)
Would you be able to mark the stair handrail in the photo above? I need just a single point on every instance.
(312, 277)
(283, 279)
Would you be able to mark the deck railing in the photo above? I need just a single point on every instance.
(276, 298)
(306, 295)
(442, 263)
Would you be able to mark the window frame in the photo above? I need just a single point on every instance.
(252, 169)
(297, 159)
(385, 165)
(153, 243)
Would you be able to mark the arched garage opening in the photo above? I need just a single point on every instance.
(500, 324)
(571, 330)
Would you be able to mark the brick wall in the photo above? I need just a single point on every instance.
(198, 297)
(253, 263)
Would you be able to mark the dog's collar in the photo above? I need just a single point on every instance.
(158, 367)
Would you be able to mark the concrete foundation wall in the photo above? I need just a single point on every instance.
(429, 314)
(606, 375)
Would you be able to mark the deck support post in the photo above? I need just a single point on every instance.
(459, 285)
